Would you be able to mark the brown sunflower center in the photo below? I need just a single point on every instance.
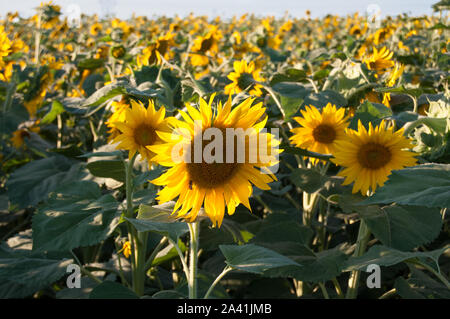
(374, 156)
(324, 133)
(245, 80)
(163, 45)
(210, 175)
(206, 44)
(144, 135)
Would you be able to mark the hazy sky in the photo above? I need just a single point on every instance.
(225, 8)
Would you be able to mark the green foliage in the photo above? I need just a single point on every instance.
(31, 183)
(423, 185)
(403, 227)
(112, 290)
(74, 216)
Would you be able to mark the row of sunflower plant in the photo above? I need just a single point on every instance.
(356, 120)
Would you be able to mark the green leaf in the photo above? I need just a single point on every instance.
(405, 291)
(108, 168)
(275, 56)
(91, 64)
(255, 259)
(291, 97)
(403, 227)
(105, 93)
(387, 256)
(168, 294)
(323, 266)
(21, 276)
(423, 185)
(31, 183)
(112, 290)
(101, 154)
(114, 89)
(321, 99)
(290, 75)
(75, 216)
(369, 112)
(420, 284)
(168, 253)
(57, 109)
(158, 220)
(310, 266)
(309, 180)
(400, 89)
(285, 231)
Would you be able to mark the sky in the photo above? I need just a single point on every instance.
(226, 8)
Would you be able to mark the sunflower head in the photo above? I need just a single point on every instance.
(380, 60)
(205, 46)
(244, 76)
(369, 156)
(320, 131)
(219, 182)
(140, 128)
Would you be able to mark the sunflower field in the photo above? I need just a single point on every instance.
(351, 199)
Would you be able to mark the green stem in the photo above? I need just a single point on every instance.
(138, 240)
(324, 290)
(183, 260)
(150, 259)
(84, 270)
(139, 272)
(338, 288)
(361, 244)
(274, 97)
(193, 259)
(388, 294)
(225, 271)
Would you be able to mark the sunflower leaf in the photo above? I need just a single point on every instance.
(76, 215)
(112, 290)
(158, 219)
(423, 185)
(108, 168)
(387, 256)
(32, 182)
(403, 227)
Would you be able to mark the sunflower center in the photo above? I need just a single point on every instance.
(144, 135)
(206, 44)
(374, 156)
(324, 133)
(163, 46)
(211, 175)
(245, 80)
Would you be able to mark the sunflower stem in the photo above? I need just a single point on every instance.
(361, 245)
(194, 230)
(225, 271)
(138, 240)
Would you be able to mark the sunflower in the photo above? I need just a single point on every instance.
(244, 76)
(118, 115)
(320, 131)
(396, 73)
(379, 61)
(5, 45)
(140, 129)
(218, 185)
(369, 156)
(205, 47)
(153, 53)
